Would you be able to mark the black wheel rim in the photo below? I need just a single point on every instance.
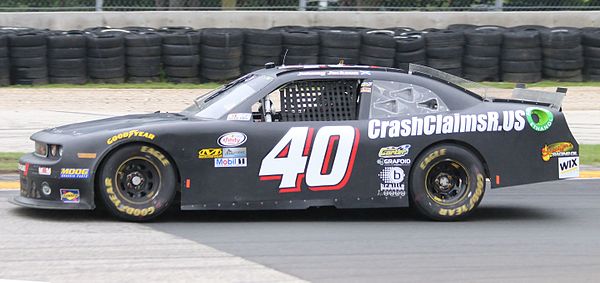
(447, 182)
(138, 180)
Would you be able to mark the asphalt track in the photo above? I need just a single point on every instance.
(546, 232)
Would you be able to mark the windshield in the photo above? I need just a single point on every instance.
(220, 101)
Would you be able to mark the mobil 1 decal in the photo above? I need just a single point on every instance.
(320, 158)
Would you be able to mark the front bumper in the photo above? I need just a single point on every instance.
(62, 191)
(48, 204)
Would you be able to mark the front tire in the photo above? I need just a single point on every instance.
(447, 183)
(137, 182)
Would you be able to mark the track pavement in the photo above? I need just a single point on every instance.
(545, 232)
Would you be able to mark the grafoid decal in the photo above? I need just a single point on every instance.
(322, 160)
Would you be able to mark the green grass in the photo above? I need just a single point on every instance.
(590, 154)
(151, 85)
(8, 161)
(508, 85)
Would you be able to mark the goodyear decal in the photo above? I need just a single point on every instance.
(473, 200)
(130, 134)
(123, 207)
(69, 195)
(74, 173)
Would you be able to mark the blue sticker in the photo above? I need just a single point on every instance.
(69, 195)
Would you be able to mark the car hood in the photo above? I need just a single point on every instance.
(115, 123)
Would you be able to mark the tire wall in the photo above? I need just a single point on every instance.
(184, 54)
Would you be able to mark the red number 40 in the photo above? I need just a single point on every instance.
(326, 167)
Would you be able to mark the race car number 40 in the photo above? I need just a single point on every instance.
(326, 166)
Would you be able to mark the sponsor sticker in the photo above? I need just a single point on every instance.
(69, 195)
(239, 117)
(130, 134)
(47, 171)
(230, 162)
(512, 120)
(86, 155)
(232, 139)
(234, 152)
(392, 175)
(539, 119)
(394, 151)
(558, 149)
(312, 73)
(74, 173)
(210, 153)
(391, 190)
(344, 73)
(365, 89)
(393, 161)
(568, 167)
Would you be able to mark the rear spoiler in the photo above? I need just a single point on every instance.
(553, 99)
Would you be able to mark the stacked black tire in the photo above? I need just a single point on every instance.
(410, 48)
(143, 50)
(67, 63)
(339, 45)
(563, 54)
(481, 61)
(521, 59)
(302, 46)
(221, 51)
(106, 56)
(378, 48)
(591, 52)
(260, 47)
(28, 60)
(4, 61)
(181, 54)
(444, 50)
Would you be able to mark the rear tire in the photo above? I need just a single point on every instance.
(137, 182)
(447, 183)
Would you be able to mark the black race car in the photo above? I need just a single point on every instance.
(294, 137)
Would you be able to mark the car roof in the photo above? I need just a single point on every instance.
(283, 69)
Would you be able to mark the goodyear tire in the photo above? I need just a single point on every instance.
(137, 182)
(447, 183)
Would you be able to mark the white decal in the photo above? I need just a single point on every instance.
(393, 161)
(230, 162)
(47, 171)
(234, 152)
(232, 139)
(568, 167)
(392, 175)
(391, 190)
(513, 120)
(239, 117)
(324, 168)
